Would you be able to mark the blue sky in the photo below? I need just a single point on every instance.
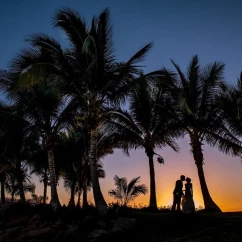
(179, 30)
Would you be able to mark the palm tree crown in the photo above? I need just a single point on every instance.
(194, 104)
(126, 192)
(146, 124)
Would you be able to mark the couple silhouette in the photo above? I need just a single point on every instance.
(186, 198)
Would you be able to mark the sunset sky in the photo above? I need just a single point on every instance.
(179, 30)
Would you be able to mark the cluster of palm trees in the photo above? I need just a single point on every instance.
(67, 108)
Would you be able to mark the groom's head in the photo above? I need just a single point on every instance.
(182, 178)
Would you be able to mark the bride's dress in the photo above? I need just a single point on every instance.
(188, 204)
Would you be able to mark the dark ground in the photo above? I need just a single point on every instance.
(179, 227)
(161, 225)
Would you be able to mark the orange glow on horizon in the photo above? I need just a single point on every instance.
(223, 175)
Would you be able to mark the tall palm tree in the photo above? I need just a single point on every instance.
(126, 192)
(194, 104)
(87, 70)
(145, 125)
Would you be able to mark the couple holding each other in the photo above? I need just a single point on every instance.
(188, 205)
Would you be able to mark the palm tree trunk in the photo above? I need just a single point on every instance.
(101, 205)
(84, 199)
(209, 204)
(153, 202)
(3, 200)
(55, 203)
(78, 199)
(45, 187)
(20, 182)
(72, 197)
(21, 191)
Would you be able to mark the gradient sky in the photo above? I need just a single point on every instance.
(179, 30)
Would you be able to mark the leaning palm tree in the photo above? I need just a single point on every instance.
(126, 192)
(146, 125)
(193, 98)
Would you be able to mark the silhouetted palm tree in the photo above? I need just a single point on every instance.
(231, 103)
(18, 181)
(17, 143)
(72, 152)
(38, 199)
(88, 70)
(49, 112)
(4, 167)
(146, 124)
(126, 192)
(194, 104)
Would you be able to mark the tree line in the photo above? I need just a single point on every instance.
(65, 109)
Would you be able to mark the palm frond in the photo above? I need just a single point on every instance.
(73, 26)
(139, 56)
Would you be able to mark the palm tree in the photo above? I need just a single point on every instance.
(236, 93)
(49, 112)
(17, 143)
(126, 192)
(68, 155)
(38, 163)
(4, 166)
(18, 181)
(38, 199)
(6, 115)
(194, 104)
(87, 70)
(145, 125)
(75, 163)
(231, 103)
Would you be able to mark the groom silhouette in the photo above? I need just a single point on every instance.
(177, 194)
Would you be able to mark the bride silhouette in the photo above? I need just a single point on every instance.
(188, 205)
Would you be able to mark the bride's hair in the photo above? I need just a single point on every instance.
(188, 179)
